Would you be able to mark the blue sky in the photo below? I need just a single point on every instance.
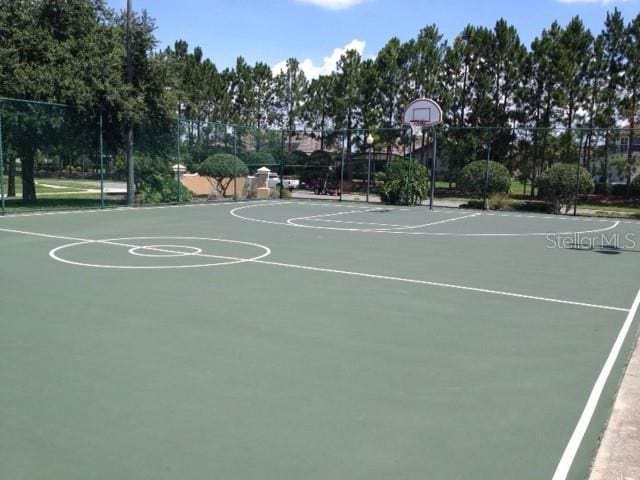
(319, 30)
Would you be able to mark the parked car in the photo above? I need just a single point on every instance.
(274, 181)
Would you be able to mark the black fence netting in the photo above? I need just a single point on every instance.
(49, 156)
(54, 156)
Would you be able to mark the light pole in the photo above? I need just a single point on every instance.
(370, 145)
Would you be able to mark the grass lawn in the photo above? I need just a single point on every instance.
(517, 187)
(70, 183)
(55, 185)
(56, 203)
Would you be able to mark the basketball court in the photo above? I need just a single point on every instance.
(310, 340)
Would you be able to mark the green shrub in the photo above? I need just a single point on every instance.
(392, 184)
(497, 201)
(223, 168)
(162, 189)
(557, 185)
(602, 188)
(260, 159)
(618, 190)
(274, 193)
(635, 187)
(318, 165)
(474, 204)
(532, 206)
(472, 178)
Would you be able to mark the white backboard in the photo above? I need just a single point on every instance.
(422, 112)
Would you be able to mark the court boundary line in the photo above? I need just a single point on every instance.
(290, 222)
(326, 203)
(573, 445)
(341, 272)
(399, 228)
(443, 285)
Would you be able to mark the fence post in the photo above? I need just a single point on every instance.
(486, 177)
(281, 193)
(408, 185)
(575, 203)
(235, 163)
(1, 168)
(178, 158)
(433, 168)
(100, 141)
(344, 159)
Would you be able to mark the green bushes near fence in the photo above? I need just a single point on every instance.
(403, 182)
(560, 183)
(223, 168)
(635, 187)
(474, 178)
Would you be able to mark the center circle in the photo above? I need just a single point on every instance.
(160, 248)
(164, 251)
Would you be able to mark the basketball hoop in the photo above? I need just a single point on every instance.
(422, 113)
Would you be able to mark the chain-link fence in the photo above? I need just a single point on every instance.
(54, 156)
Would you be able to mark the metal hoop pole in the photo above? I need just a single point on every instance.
(101, 164)
(433, 168)
(344, 158)
(1, 172)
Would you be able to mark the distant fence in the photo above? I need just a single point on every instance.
(54, 156)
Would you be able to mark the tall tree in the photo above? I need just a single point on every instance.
(347, 98)
(572, 61)
(316, 110)
(631, 93)
(614, 51)
(292, 86)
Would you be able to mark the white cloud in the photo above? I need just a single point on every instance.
(328, 63)
(601, 2)
(333, 4)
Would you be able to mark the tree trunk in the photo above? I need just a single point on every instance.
(348, 156)
(11, 187)
(605, 173)
(630, 160)
(322, 132)
(28, 180)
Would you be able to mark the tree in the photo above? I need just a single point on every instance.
(391, 71)
(404, 181)
(425, 66)
(66, 52)
(346, 97)
(473, 178)
(223, 168)
(291, 85)
(316, 110)
(573, 56)
(558, 185)
(614, 50)
(631, 95)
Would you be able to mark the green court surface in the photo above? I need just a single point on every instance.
(310, 340)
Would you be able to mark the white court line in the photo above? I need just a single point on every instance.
(161, 249)
(562, 470)
(334, 204)
(117, 209)
(452, 219)
(438, 284)
(289, 222)
(328, 220)
(113, 242)
(293, 222)
(531, 234)
(342, 272)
